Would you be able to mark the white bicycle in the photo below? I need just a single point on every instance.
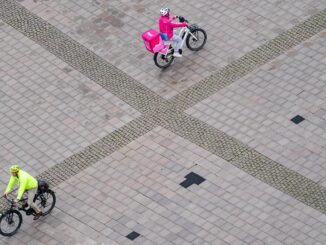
(194, 37)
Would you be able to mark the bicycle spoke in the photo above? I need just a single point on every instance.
(9, 224)
(45, 202)
(163, 60)
(197, 40)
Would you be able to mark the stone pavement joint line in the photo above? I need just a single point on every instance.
(169, 114)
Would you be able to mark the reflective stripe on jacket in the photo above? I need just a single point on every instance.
(25, 182)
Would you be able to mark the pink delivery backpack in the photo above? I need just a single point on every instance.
(153, 41)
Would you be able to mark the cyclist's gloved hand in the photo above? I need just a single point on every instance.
(181, 19)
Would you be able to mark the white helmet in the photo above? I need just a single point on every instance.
(164, 11)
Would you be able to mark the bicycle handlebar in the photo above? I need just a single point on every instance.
(11, 201)
(182, 19)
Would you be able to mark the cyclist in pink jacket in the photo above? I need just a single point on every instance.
(166, 28)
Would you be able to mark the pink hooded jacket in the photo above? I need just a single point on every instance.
(166, 25)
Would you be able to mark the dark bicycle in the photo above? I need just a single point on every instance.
(11, 219)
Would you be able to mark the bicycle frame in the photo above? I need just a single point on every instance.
(15, 210)
(183, 33)
(17, 207)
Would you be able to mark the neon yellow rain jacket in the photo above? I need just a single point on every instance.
(25, 182)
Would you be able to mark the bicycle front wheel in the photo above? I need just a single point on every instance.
(163, 61)
(45, 201)
(10, 222)
(197, 41)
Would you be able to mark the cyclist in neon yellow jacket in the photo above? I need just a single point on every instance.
(26, 182)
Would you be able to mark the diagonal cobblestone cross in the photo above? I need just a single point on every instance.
(170, 113)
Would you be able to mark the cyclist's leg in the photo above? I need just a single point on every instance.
(177, 41)
(31, 195)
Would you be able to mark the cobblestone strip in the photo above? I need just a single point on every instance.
(145, 100)
(203, 135)
(250, 62)
(99, 150)
(282, 178)
(95, 152)
(78, 56)
(247, 159)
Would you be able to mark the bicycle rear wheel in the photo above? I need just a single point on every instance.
(196, 43)
(45, 201)
(163, 61)
(10, 222)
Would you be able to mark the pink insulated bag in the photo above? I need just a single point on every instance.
(153, 41)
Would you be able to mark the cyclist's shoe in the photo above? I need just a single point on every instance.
(37, 216)
(25, 205)
(177, 55)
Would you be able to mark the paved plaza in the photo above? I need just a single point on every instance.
(226, 146)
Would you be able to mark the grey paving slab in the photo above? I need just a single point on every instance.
(48, 110)
(313, 20)
(257, 109)
(57, 228)
(78, 56)
(251, 61)
(112, 30)
(100, 149)
(230, 207)
(144, 196)
(248, 160)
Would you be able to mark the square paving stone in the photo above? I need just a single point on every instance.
(297, 119)
(191, 179)
(133, 235)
